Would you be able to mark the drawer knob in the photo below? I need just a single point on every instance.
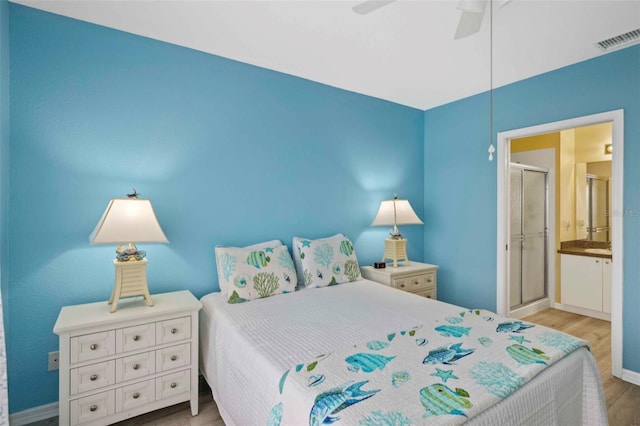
(136, 395)
(174, 357)
(93, 407)
(136, 338)
(174, 330)
(415, 283)
(136, 366)
(429, 280)
(402, 285)
(173, 385)
(93, 346)
(93, 377)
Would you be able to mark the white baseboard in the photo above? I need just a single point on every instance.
(530, 309)
(583, 311)
(33, 415)
(631, 377)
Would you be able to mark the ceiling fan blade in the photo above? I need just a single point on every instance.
(470, 18)
(370, 5)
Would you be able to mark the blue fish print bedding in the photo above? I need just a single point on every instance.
(444, 372)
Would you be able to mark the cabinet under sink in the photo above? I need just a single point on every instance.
(586, 285)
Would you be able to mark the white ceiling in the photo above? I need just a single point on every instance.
(403, 52)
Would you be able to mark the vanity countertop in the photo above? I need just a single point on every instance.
(586, 248)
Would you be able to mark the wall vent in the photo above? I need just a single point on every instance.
(619, 41)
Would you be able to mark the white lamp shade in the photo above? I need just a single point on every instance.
(128, 220)
(403, 214)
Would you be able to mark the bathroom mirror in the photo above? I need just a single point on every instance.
(593, 201)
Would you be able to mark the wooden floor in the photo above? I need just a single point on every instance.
(623, 399)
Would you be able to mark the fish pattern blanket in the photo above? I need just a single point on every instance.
(443, 372)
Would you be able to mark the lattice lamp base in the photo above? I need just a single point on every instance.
(131, 280)
(395, 249)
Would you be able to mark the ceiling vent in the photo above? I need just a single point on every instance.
(620, 41)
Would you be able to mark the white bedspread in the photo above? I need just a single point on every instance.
(245, 348)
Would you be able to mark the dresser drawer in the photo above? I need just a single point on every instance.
(92, 346)
(173, 357)
(133, 338)
(90, 408)
(135, 395)
(134, 366)
(429, 293)
(89, 377)
(173, 384)
(414, 282)
(173, 330)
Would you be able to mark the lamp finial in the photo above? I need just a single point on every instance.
(134, 194)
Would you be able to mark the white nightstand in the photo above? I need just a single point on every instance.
(114, 366)
(417, 278)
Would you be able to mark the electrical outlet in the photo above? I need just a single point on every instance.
(53, 361)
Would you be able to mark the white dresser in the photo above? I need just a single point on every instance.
(417, 278)
(114, 366)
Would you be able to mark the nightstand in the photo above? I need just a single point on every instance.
(118, 365)
(417, 278)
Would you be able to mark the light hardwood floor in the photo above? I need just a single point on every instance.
(623, 399)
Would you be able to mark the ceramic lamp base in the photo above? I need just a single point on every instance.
(131, 280)
(395, 249)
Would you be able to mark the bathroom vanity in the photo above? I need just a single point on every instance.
(585, 276)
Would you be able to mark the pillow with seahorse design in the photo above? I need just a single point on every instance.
(327, 261)
(223, 273)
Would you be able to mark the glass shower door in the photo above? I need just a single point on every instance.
(534, 225)
(528, 222)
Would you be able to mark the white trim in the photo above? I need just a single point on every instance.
(504, 157)
(583, 311)
(34, 414)
(530, 309)
(631, 377)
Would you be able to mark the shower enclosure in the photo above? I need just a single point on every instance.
(529, 235)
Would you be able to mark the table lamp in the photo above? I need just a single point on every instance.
(395, 212)
(127, 221)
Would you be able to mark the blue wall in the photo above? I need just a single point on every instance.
(228, 153)
(4, 150)
(460, 184)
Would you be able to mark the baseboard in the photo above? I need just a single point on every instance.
(631, 377)
(34, 414)
(530, 309)
(583, 311)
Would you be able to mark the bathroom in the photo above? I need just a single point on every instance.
(561, 198)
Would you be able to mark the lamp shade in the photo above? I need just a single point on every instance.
(396, 212)
(128, 220)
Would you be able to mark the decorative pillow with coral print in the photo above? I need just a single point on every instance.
(250, 274)
(227, 270)
(297, 251)
(327, 262)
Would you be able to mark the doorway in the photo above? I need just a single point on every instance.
(503, 212)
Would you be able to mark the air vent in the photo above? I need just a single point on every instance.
(622, 40)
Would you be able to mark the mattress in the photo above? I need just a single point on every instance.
(246, 347)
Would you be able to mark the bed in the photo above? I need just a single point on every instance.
(250, 350)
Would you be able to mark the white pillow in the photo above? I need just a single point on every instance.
(249, 273)
(327, 261)
(223, 283)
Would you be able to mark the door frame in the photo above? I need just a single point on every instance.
(616, 118)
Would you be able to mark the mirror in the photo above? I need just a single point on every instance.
(593, 201)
